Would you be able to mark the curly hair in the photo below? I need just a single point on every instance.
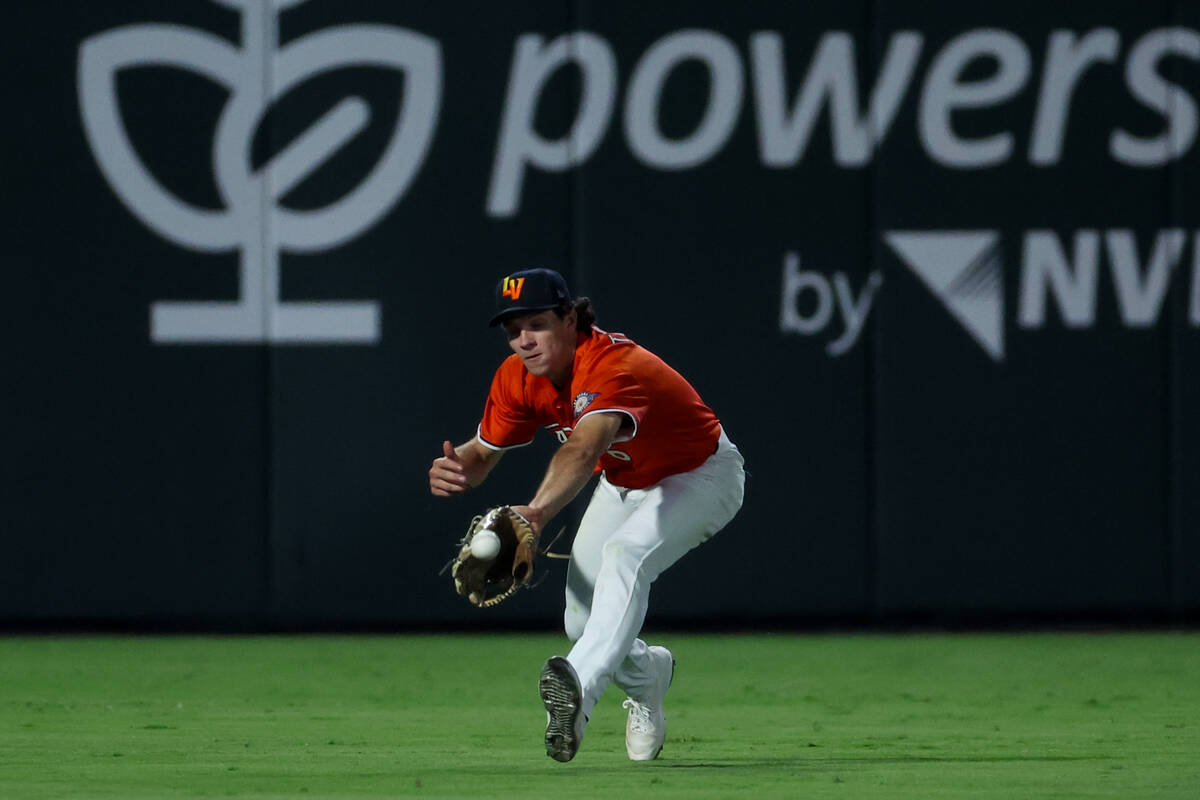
(585, 314)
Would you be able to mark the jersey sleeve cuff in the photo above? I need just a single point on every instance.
(632, 418)
(499, 447)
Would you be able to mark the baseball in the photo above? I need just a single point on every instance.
(485, 545)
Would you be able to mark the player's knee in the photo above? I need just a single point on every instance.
(574, 619)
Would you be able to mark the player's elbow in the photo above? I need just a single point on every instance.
(582, 456)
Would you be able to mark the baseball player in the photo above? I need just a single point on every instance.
(669, 480)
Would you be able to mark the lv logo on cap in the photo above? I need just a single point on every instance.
(512, 288)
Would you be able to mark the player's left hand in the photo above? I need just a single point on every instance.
(534, 516)
(486, 581)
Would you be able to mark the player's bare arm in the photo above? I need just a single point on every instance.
(461, 468)
(572, 466)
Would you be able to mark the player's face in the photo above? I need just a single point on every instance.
(545, 343)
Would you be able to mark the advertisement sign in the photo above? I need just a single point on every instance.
(936, 268)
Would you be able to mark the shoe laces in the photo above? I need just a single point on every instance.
(639, 715)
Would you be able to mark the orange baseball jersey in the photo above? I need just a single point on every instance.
(673, 430)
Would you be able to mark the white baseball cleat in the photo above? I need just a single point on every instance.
(646, 727)
(563, 698)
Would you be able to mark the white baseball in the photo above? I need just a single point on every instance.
(485, 545)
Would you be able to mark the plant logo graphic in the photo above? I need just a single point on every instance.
(252, 221)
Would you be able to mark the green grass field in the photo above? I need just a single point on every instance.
(812, 716)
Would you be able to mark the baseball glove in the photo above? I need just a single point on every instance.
(487, 583)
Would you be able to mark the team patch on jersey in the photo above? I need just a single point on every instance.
(583, 400)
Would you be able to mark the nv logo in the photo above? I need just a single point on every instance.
(964, 272)
(512, 288)
(253, 221)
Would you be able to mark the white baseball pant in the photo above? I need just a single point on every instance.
(626, 539)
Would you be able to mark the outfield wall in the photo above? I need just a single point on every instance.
(935, 265)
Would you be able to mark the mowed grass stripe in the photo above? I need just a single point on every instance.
(848, 716)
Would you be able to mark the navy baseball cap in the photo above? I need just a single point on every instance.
(528, 291)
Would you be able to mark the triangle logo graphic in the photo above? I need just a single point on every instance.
(964, 271)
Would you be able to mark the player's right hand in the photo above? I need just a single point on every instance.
(447, 476)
